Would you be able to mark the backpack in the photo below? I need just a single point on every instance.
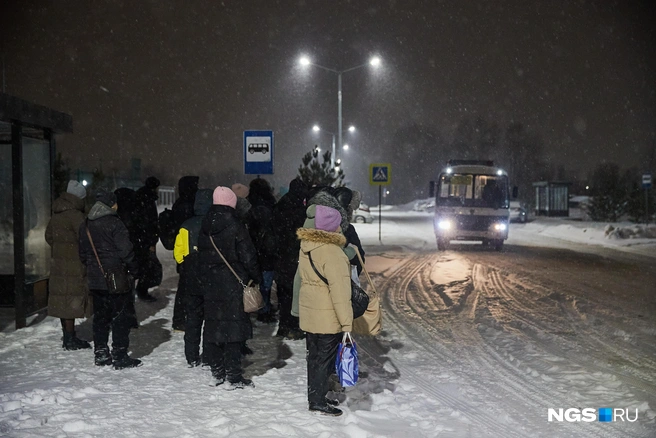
(168, 228)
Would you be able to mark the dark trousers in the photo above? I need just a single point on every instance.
(179, 316)
(110, 312)
(320, 355)
(224, 359)
(193, 326)
(285, 286)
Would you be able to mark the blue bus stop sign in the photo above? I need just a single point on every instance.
(646, 180)
(258, 152)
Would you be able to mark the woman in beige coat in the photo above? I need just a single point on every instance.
(324, 304)
(69, 295)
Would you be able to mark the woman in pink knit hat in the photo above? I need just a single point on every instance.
(325, 309)
(227, 326)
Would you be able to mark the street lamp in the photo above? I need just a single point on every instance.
(351, 128)
(120, 120)
(374, 62)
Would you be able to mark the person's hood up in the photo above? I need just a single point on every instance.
(202, 202)
(67, 201)
(328, 200)
(99, 210)
(187, 187)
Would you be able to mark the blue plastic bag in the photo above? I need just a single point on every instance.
(346, 363)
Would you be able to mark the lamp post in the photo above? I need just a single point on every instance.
(120, 120)
(374, 62)
(316, 128)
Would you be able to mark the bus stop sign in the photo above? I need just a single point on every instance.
(646, 180)
(258, 152)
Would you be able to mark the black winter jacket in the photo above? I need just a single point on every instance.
(260, 228)
(146, 230)
(225, 318)
(112, 242)
(183, 207)
(289, 216)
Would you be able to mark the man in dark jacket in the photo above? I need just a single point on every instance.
(109, 248)
(186, 255)
(227, 326)
(288, 216)
(260, 228)
(146, 235)
(183, 209)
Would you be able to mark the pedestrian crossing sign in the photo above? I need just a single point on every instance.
(380, 174)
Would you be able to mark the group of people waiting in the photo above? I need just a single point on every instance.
(226, 237)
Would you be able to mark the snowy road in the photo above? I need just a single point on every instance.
(524, 330)
(476, 343)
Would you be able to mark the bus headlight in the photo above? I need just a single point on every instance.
(500, 226)
(444, 224)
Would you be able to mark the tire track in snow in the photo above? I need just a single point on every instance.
(525, 308)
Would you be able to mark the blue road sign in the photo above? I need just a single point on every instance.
(646, 180)
(258, 152)
(380, 174)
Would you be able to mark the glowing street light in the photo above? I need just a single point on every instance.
(375, 62)
(333, 161)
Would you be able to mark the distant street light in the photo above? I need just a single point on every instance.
(317, 128)
(374, 62)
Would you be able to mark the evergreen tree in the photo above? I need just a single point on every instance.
(313, 172)
(608, 201)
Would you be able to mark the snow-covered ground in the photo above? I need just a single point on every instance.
(404, 391)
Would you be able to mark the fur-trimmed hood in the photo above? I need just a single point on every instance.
(312, 239)
(326, 199)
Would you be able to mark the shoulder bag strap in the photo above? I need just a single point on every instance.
(309, 254)
(226, 262)
(365, 269)
(86, 227)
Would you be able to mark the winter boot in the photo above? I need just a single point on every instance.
(71, 342)
(218, 372)
(325, 409)
(241, 383)
(122, 360)
(102, 357)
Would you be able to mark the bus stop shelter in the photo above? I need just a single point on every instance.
(27, 151)
(551, 198)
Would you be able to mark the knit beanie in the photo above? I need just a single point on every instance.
(106, 197)
(224, 196)
(240, 190)
(327, 219)
(77, 189)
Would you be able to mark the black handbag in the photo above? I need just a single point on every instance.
(118, 280)
(359, 298)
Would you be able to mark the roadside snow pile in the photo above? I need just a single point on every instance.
(633, 232)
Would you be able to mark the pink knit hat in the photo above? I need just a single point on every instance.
(240, 190)
(327, 219)
(224, 196)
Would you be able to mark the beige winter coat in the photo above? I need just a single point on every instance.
(69, 294)
(324, 308)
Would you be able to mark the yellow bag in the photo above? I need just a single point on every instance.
(369, 324)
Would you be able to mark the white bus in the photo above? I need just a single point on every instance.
(471, 203)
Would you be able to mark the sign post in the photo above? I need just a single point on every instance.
(380, 174)
(646, 185)
(258, 152)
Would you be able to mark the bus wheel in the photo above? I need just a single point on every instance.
(498, 244)
(442, 244)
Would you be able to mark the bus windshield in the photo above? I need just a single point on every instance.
(471, 190)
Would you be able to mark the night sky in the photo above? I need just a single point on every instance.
(186, 78)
